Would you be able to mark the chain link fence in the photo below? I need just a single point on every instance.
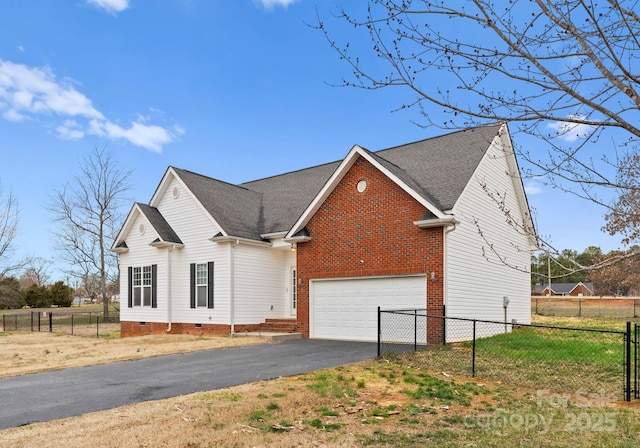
(585, 306)
(72, 323)
(542, 357)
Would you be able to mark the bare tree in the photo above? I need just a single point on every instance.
(36, 272)
(8, 232)
(88, 213)
(567, 72)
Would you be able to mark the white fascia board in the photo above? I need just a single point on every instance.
(239, 240)
(273, 236)
(163, 187)
(337, 176)
(429, 223)
(126, 228)
(161, 244)
(512, 163)
(298, 239)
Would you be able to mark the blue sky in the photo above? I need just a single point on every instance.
(236, 90)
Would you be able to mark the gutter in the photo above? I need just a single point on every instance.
(445, 267)
(438, 222)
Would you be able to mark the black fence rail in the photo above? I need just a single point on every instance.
(73, 323)
(545, 358)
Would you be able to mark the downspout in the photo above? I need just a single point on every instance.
(169, 250)
(445, 268)
(232, 282)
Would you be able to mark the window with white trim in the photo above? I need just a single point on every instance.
(201, 285)
(142, 290)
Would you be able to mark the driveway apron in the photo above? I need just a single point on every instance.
(51, 395)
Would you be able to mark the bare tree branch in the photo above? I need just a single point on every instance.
(89, 214)
(8, 232)
(566, 72)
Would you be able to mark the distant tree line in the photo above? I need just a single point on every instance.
(618, 278)
(12, 296)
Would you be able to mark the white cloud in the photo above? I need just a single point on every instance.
(12, 115)
(146, 136)
(570, 132)
(70, 130)
(533, 188)
(26, 90)
(31, 91)
(110, 6)
(270, 4)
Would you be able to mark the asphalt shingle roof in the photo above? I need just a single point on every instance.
(161, 226)
(563, 288)
(438, 168)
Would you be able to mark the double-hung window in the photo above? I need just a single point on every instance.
(202, 285)
(142, 286)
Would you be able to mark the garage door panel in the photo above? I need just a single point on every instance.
(347, 309)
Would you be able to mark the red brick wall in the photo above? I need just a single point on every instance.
(581, 289)
(128, 329)
(375, 226)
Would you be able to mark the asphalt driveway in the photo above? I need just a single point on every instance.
(51, 395)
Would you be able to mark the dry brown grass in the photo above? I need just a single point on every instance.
(22, 353)
(382, 403)
(231, 418)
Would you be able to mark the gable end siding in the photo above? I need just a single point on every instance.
(477, 279)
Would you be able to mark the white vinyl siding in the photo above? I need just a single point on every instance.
(261, 283)
(477, 278)
(194, 227)
(140, 254)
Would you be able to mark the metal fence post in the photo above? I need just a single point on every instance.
(31, 321)
(38, 321)
(97, 326)
(72, 325)
(50, 322)
(473, 351)
(415, 330)
(444, 325)
(379, 332)
(627, 392)
(4, 326)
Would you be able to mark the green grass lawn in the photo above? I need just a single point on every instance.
(542, 358)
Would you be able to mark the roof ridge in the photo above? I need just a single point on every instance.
(175, 168)
(290, 172)
(441, 136)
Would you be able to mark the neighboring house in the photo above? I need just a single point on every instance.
(414, 226)
(565, 289)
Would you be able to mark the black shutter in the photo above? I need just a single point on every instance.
(210, 284)
(193, 285)
(154, 286)
(130, 287)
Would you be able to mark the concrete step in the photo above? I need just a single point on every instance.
(274, 336)
(281, 325)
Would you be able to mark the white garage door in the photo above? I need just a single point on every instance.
(348, 309)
